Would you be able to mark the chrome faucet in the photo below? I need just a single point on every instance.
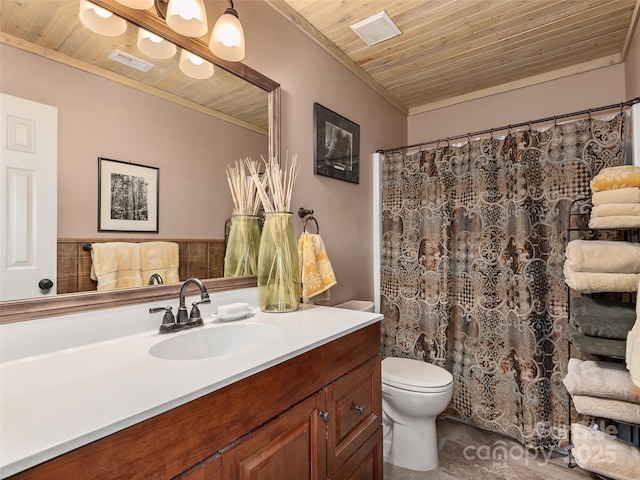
(184, 320)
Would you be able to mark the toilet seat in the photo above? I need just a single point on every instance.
(415, 375)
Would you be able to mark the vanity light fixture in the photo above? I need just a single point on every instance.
(187, 17)
(194, 66)
(100, 20)
(139, 4)
(155, 46)
(227, 37)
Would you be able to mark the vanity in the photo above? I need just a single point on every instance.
(293, 395)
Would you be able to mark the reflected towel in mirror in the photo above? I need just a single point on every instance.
(116, 265)
(161, 258)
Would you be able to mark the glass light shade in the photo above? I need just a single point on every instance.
(138, 4)
(194, 66)
(187, 17)
(154, 45)
(100, 20)
(227, 37)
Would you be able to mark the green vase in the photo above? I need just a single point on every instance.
(279, 284)
(241, 255)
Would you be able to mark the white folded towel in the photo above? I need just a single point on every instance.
(599, 452)
(590, 282)
(619, 195)
(615, 221)
(619, 410)
(615, 209)
(600, 379)
(632, 355)
(603, 256)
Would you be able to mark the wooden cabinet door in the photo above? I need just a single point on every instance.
(209, 469)
(292, 446)
(354, 403)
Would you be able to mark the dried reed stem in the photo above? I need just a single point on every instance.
(277, 197)
(246, 198)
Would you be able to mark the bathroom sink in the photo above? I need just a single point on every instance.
(214, 341)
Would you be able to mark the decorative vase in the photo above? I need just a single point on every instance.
(241, 255)
(279, 284)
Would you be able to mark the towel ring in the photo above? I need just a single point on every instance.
(311, 217)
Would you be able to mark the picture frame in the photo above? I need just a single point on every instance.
(128, 196)
(336, 145)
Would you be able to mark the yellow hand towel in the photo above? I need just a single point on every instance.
(317, 273)
(161, 258)
(116, 265)
(624, 176)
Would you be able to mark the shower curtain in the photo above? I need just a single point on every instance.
(473, 240)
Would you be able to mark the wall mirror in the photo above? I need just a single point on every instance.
(240, 95)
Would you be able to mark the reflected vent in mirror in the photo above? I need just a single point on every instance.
(130, 60)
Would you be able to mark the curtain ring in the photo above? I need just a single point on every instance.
(491, 135)
(555, 121)
(448, 144)
(530, 129)
(509, 132)
(589, 115)
(438, 144)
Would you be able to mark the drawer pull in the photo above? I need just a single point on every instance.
(359, 408)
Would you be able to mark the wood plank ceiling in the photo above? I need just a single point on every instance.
(456, 50)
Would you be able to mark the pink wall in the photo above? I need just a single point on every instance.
(308, 74)
(632, 67)
(596, 88)
(100, 118)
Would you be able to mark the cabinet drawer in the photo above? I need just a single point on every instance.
(365, 463)
(354, 403)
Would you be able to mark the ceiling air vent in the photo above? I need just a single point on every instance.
(376, 28)
(130, 61)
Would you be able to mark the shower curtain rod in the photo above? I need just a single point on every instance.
(620, 105)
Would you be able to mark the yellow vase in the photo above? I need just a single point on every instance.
(279, 284)
(241, 255)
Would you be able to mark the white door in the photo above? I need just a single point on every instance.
(28, 197)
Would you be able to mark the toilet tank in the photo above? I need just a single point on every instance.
(363, 305)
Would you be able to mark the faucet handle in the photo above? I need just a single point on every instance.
(168, 320)
(195, 318)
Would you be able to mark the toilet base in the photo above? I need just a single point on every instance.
(411, 448)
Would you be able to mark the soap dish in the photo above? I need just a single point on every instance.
(233, 311)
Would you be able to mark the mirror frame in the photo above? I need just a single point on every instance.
(49, 306)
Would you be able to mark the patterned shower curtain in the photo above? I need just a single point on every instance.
(472, 255)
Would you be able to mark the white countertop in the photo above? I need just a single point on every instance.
(53, 402)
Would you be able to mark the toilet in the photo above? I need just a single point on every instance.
(414, 393)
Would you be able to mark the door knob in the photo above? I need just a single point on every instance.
(45, 284)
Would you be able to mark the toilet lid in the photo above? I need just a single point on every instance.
(407, 373)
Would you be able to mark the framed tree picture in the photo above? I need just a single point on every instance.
(127, 197)
(337, 145)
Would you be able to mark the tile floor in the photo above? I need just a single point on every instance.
(460, 459)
